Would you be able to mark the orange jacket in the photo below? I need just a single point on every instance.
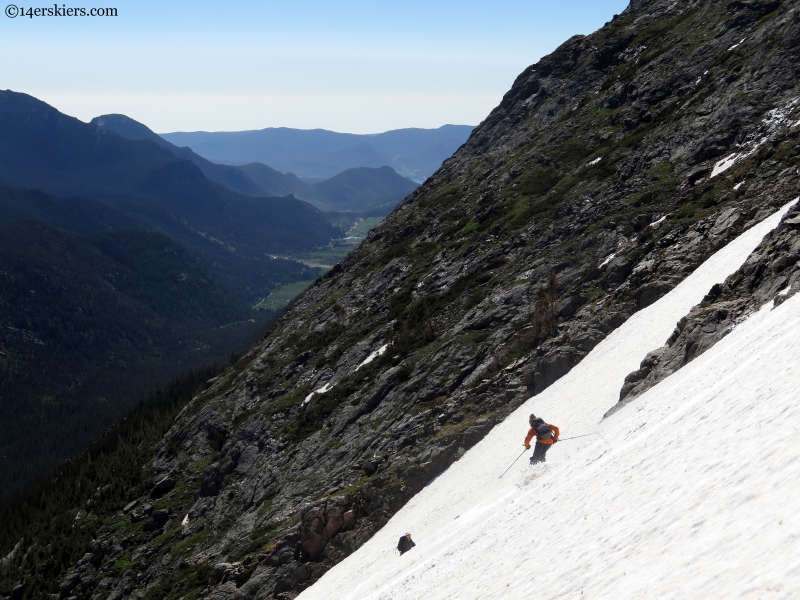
(532, 434)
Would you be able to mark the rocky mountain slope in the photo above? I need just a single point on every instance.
(610, 170)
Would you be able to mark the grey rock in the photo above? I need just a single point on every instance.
(617, 271)
(157, 521)
(69, 583)
(570, 305)
(141, 512)
(236, 572)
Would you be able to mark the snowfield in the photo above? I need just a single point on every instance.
(692, 490)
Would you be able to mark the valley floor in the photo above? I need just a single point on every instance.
(323, 258)
(690, 489)
(284, 294)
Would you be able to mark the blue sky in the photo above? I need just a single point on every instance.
(354, 66)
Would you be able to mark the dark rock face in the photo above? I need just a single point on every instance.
(162, 487)
(617, 272)
(569, 306)
(141, 512)
(588, 193)
(771, 274)
(323, 521)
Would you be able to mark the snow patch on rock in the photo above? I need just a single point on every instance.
(321, 390)
(608, 259)
(776, 119)
(373, 356)
(743, 40)
(726, 163)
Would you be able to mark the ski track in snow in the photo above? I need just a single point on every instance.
(692, 488)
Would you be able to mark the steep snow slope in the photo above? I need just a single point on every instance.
(687, 490)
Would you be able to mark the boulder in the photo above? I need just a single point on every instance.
(157, 521)
(617, 272)
(321, 522)
(162, 488)
(140, 513)
(68, 584)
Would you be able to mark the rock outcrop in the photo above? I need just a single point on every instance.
(769, 276)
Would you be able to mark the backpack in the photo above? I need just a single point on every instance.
(543, 431)
(405, 544)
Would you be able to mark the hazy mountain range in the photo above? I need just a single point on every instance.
(362, 189)
(319, 154)
(43, 149)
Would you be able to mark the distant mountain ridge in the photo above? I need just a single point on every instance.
(369, 188)
(319, 153)
(277, 184)
(44, 149)
(372, 191)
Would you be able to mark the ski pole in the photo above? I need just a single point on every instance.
(575, 437)
(512, 464)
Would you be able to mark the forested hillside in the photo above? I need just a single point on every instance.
(91, 323)
(99, 479)
(365, 191)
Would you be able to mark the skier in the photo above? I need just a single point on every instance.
(546, 435)
(405, 544)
